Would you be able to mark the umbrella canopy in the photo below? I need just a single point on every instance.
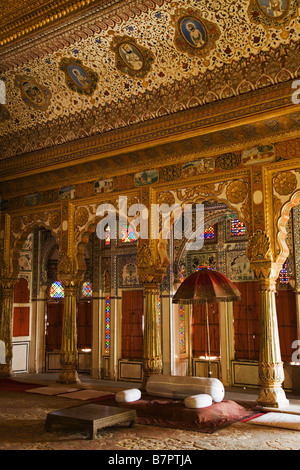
(204, 286)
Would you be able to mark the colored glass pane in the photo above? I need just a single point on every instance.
(107, 237)
(207, 267)
(182, 330)
(237, 228)
(107, 325)
(57, 290)
(209, 233)
(86, 289)
(128, 234)
(284, 276)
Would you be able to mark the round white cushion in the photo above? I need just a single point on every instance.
(198, 401)
(127, 396)
(175, 386)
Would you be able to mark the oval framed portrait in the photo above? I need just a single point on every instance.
(79, 76)
(275, 9)
(193, 31)
(33, 92)
(131, 55)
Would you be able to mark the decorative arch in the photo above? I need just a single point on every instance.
(21, 227)
(284, 215)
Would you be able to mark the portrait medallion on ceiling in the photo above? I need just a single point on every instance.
(273, 12)
(131, 58)
(33, 94)
(193, 34)
(79, 77)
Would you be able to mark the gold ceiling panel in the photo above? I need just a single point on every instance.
(22, 17)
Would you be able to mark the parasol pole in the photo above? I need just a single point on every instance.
(208, 340)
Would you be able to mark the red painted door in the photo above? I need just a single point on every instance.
(199, 330)
(55, 311)
(84, 325)
(246, 314)
(132, 324)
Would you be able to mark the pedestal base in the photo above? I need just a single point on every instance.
(272, 397)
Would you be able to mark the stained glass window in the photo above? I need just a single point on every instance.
(182, 330)
(237, 228)
(107, 325)
(284, 276)
(207, 267)
(86, 289)
(128, 234)
(209, 233)
(107, 237)
(159, 310)
(57, 290)
(183, 273)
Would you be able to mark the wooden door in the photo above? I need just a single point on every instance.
(199, 330)
(287, 322)
(84, 325)
(132, 324)
(22, 311)
(55, 311)
(246, 314)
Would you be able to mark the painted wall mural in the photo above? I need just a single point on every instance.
(273, 12)
(194, 34)
(165, 55)
(131, 58)
(33, 94)
(78, 77)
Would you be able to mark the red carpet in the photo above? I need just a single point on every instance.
(170, 413)
(10, 385)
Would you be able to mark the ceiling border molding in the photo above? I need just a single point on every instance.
(72, 30)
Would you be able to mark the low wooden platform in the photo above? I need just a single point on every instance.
(90, 417)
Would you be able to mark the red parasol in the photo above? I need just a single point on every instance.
(206, 286)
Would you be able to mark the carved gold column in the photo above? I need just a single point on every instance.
(151, 274)
(6, 322)
(69, 354)
(271, 374)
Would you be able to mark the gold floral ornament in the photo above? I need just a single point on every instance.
(285, 183)
(166, 198)
(81, 216)
(193, 34)
(54, 219)
(131, 58)
(16, 224)
(237, 191)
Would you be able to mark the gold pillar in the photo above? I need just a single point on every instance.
(152, 358)
(69, 353)
(6, 324)
(271, 374)
(151, 272)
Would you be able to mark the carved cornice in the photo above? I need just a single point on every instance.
(61, 24)
(226, 116)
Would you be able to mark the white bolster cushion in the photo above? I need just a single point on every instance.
(127, 396)
(184, 386)
(198, 401)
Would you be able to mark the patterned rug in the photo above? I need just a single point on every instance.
(23, 415)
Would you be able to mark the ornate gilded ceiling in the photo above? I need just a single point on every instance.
(19, 18)
(129, 63)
